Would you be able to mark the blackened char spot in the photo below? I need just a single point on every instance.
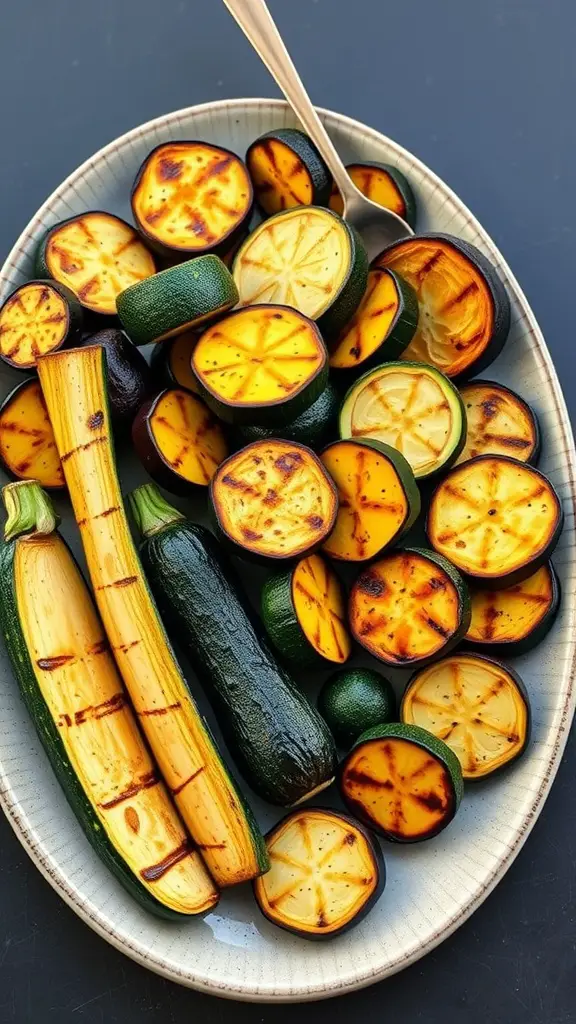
(153, 873)
(350, 839)
(170, 169)
(316, 522)
(249, 534)
(271, 498)
(372, 585)
(51, 664)
(95, 420)
(432, 801)
(288, 462)
(490, 406)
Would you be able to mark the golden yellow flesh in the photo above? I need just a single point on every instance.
(279, 177)
(33, 321)
(473, 705)
(259, 356)
(274, 498)
(322, 873)
(376, 184)
(191, 195)
(75, 391)
(372, 505)
(500, 616)
(456, 307)
(492, 516)
(404, 607)
(27, 443)
(497, 424)
(188, 437)
(79, 681)
(403, 788)
(180, 358)
(409, 410)
(300, 259)
(371, 323)
(98, 256)
(319, 605)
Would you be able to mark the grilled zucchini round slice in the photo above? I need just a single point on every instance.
(171, 362)
(476, 705)
(263, 364)
(287, 170)
(411, 407)
(353, 700)
(464, 307)
(97, 256)
(498, 422)
(307, 258)
(313, 427)
(37, 318)
(179, 441)
(27, 444)
(495, 518)
(384, 185)
(402, 781)
(326, 872)
(382, 326)
(273, 500)
(514, 620)
(191, 197)
(304, 614)
(378, 498)
(409, 607)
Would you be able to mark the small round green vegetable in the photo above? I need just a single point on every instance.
(354, 700)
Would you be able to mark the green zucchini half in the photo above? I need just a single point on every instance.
(409, 608)
(307, 258)
(277, 738)
(313, 427)
(287, 170)
(514, 620)
(464, 307)
(304, 614)
(497, 519)
(353, 700)
(477, 706)
(382, 326)
(326, 873)
(38, 317)
(411, 407)
(383, 184)
(402, 781)
(498, 422)
(176, 300)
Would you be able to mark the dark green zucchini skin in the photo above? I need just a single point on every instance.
(49, 736)
(302, 145)
(281, 745)
(514, 648)
(314, 427)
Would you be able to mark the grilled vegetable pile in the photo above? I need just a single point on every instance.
(324, 416)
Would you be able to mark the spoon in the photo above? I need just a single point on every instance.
(377, 226)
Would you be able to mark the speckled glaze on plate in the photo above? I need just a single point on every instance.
(432, 888)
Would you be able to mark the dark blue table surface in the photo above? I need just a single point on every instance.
(484, 93)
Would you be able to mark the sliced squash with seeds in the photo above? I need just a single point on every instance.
(287, 170)
(495, 518)
(97, 256)
(273, 500)
(263, 364)
(477, 706)
(307, 258)
(402, 781)
(326, 872)
(411, 407)
(464, 307)
(171, 362)
(304, 613)
(409, 607)
(178, 441)
(39, 317)
(382, 326)
(498, 422)
(378, 499)
(27, 446)
(191, 197)
(514, 620)
(384, 185)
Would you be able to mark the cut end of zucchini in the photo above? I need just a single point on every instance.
(261, 362)
(475, 705)
(27, 445)
(402, 781)
(191, 196)
(319, 609)
(517, 618)
(498, 422)
(325, 873)
(382, 326)
(496, 519)
(287, 170)
(411, 407)
(39, 317)
(464, 309)
(384, 185)
(179, 440)
(97, 255)
(378, 499)
(274, 499)
(409, 607)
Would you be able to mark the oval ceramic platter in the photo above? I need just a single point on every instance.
(432, 887)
